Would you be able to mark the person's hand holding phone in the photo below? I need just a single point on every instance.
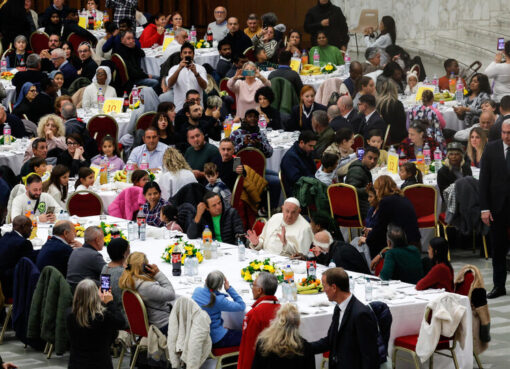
(105, 296)
(151, 269)
(239, 74)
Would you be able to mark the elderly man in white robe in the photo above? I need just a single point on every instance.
(286, 233)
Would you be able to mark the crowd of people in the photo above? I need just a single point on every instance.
(193, 158)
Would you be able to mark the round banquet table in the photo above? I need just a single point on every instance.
(154, 58)
(407, 305)
(317, 80)
(451, 119)
(122, 119)
(12, 155)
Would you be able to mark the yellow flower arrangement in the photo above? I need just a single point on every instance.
(328, 68)
(255, 267)
(111, 231)
(185, 248)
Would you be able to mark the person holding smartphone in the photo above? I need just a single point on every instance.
(186, 76)
(244, 84)
(499, 72)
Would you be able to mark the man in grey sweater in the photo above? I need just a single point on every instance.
(86, 261)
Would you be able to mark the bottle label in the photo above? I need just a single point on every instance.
(176, 258)
(7, 131)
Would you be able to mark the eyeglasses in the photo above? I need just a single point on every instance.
(220, 11)
(72, 144)
(33, 91)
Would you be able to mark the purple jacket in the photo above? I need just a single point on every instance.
(114, 161)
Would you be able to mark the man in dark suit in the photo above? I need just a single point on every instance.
(352, 335)
(372, 119)
(348, 116)
(495, 204)
(284, 71)
(44, 101)
(57, 249)
(13, 246)
(58, 58)
(32, 74)
(237, 38)
(504, 114)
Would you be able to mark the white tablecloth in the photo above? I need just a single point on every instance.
(451, 119)
(122, 119)
(100, 33)
(406, 305)
(316, 80)
(11, 93)
(154, 58)
(12, 155)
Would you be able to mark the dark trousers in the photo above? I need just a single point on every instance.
(231, 338)
(500, 246)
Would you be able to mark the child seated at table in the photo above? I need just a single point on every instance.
(410, 174)
(262, 63)
(169, 216)
(86, 178)
(375, 138)
(40, 167)
(215, 184)
(327, 173)
(139, 178)
(109, 149)
(412, 83)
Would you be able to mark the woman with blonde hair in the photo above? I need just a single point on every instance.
(301, 115)
(394, 208)
(153, 287)
(176, 173)
(51, 128)
(392, 111)
(281, 346)
(476, 145)
(210, 299)
(92, 324)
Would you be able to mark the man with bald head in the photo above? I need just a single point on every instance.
(13, 246)
(495, 204)
(57, 250)
(219, 26)
(326, 249)
(349, 117)
(286, 233)
(487, 119)
(237, 38)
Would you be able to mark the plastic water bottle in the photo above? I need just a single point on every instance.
(206, 242)
(65, 215)
(187, 269)
(262, 123)
(311, 265)
(316, 58)
(295, 55)
(288, 274)
(347, 61)
(195, 266)
(144, 164)
(193, 34)
(3, 65)
(7, 134)
(134, 95)
(131, 231)
(141, 221)
(368, 291)
(292, 292)
(459, 93)
(50, 231)
(351, 284)
(392, 150)
(60, 215)
(241, 250)
(285, 292)
(332, 264)
(100, 99)
(129, 170)
(435, 82)
(426, 154)
(214, 250)
(437, 159)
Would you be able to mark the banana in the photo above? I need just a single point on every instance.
(309, 292)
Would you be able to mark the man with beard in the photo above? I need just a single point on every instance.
(225, 61)
(41, 204)
(200, 152)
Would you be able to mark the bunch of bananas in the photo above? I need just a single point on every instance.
(120, 176)
(310, 69)
(309, 286)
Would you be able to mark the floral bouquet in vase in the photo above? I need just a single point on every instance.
(111, 231)
(255, 267)
(187, 249)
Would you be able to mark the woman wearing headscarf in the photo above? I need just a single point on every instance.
(13, 21)
(101, 81)
(58, 77)
(24, 105)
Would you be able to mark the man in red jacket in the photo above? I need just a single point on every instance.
(258, 318)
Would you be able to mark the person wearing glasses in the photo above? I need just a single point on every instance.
(26, 96)
(58, 58)
(87, 65)
(219, 26)
(73, 157)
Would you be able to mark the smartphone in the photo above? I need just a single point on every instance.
(501, 43)
(51, 210)
(105, 282)
(249, 73)
(146, 269)
(188, 60)
(237, 162)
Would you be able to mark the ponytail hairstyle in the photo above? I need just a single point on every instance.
(411, 168)
(304, 90)
(213, 282)
(83, 173)
(440, 247)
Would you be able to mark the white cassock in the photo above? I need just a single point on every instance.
(299, 236)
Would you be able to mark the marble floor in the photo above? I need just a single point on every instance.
(495, 357)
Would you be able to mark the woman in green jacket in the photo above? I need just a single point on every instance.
(327, 53)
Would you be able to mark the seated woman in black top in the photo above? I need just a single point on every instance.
(281, 346)
(92, 327)
(24, 104)
(14, 60)
(301, 117)
(165, 128)
(73, 157)
(265, 97)
(454, 167)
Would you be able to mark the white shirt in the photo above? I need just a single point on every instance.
(172, 47)
(155, 156)
(381, 43)
(500, 74)
(219, 31)
(367, 117)
(171, 182)
(505, 147)
(22, 204)
(343, 306)
(185, 82)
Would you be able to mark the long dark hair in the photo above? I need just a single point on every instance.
(169, 128)
(112, 141)
(483, 82)
(411, 168)
(389, 27)
(440, 247)
(56, 173)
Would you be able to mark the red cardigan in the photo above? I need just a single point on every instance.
(255, 321)
(150, 36)
(440, 276)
